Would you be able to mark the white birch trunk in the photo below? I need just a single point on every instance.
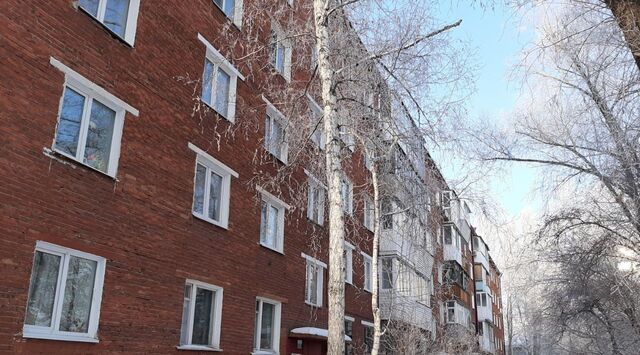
(336, 287)
(375, 308)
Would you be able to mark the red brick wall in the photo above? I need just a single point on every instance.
(142, 222)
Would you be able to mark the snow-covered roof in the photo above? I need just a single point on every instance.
(316, 332)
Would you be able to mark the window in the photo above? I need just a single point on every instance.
(481, 299)
(315, 114)
(64, 294)
(387, 273)
(219, 82)
(314, 281)
(346, 192)
(272, 221)
(368, 212)
(90, 123)
(368, 336)
(267, 331)
(212, 188)
(346, 137)
(348, 331)
(368, 276)
(275, 132)
(119, 16)
(348, 262)
(448, 235)
(201, 316)
(232, 9)
(280, 52)
(387, 214)
(315, 201)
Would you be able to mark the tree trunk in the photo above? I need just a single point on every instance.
(627, 15)
(377, 327)
(335, 341)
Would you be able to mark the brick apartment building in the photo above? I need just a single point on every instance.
(124, 228)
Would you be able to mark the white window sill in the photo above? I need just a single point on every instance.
(283, 160)
(197, 348)
(366, 290)
(207, 219)
(58, 155)
(312, 305)
(271, 248)
(216, 111)
(59, 336)
(315, 222)
(264, 352)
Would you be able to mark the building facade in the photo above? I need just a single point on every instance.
(131, 219)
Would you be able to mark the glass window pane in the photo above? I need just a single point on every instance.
(202, 317)
(280, 57)
(255, 338)
(99, 136)
(42, 289)
(215, 191)
(266, 333)
(263, 222)
(90, 6)
(273, 226)
(69, 124)
(198, 189)
(207, 81)
(222, 92)
(115, 16)
(78, 294)
(185, 316)
(229, 6)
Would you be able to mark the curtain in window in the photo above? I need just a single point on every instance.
(266, 333)
(78, 294)
(202, 316)
(115, 16)
(215, 190)
(99, 136)
(42, 290)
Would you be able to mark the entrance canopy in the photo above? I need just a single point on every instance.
(314, 333)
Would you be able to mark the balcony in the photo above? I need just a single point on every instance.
(398, 306)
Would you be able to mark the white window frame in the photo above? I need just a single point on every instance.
(217, 316)
(274, 114)
(237, 11)
(282, 207)
(91, 92)
(314, 183)
(347, 206)
(368, 212)
(320, 267)
(348, 265)
(221, 63)
(317, 111)
(213, 165)
(368, 276)
(281, 39)
(132, 19)
(40, 332)
(276, 327)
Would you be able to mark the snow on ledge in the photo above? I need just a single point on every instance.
(318, 332)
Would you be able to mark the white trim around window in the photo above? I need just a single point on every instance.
(218, 62)
(280, 51)
(278, 149)
(346, 192)
(54, 269)
(316, 196)
(77, 103)
(126, 30)
(367, 266)
(273, 347)
(315, 113)
(211, 173)
(209, 341)
(348, 265)
(368, 212)
(273, 212)
(236, 12)
(314, 280)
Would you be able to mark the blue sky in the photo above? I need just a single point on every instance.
(498, 37)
